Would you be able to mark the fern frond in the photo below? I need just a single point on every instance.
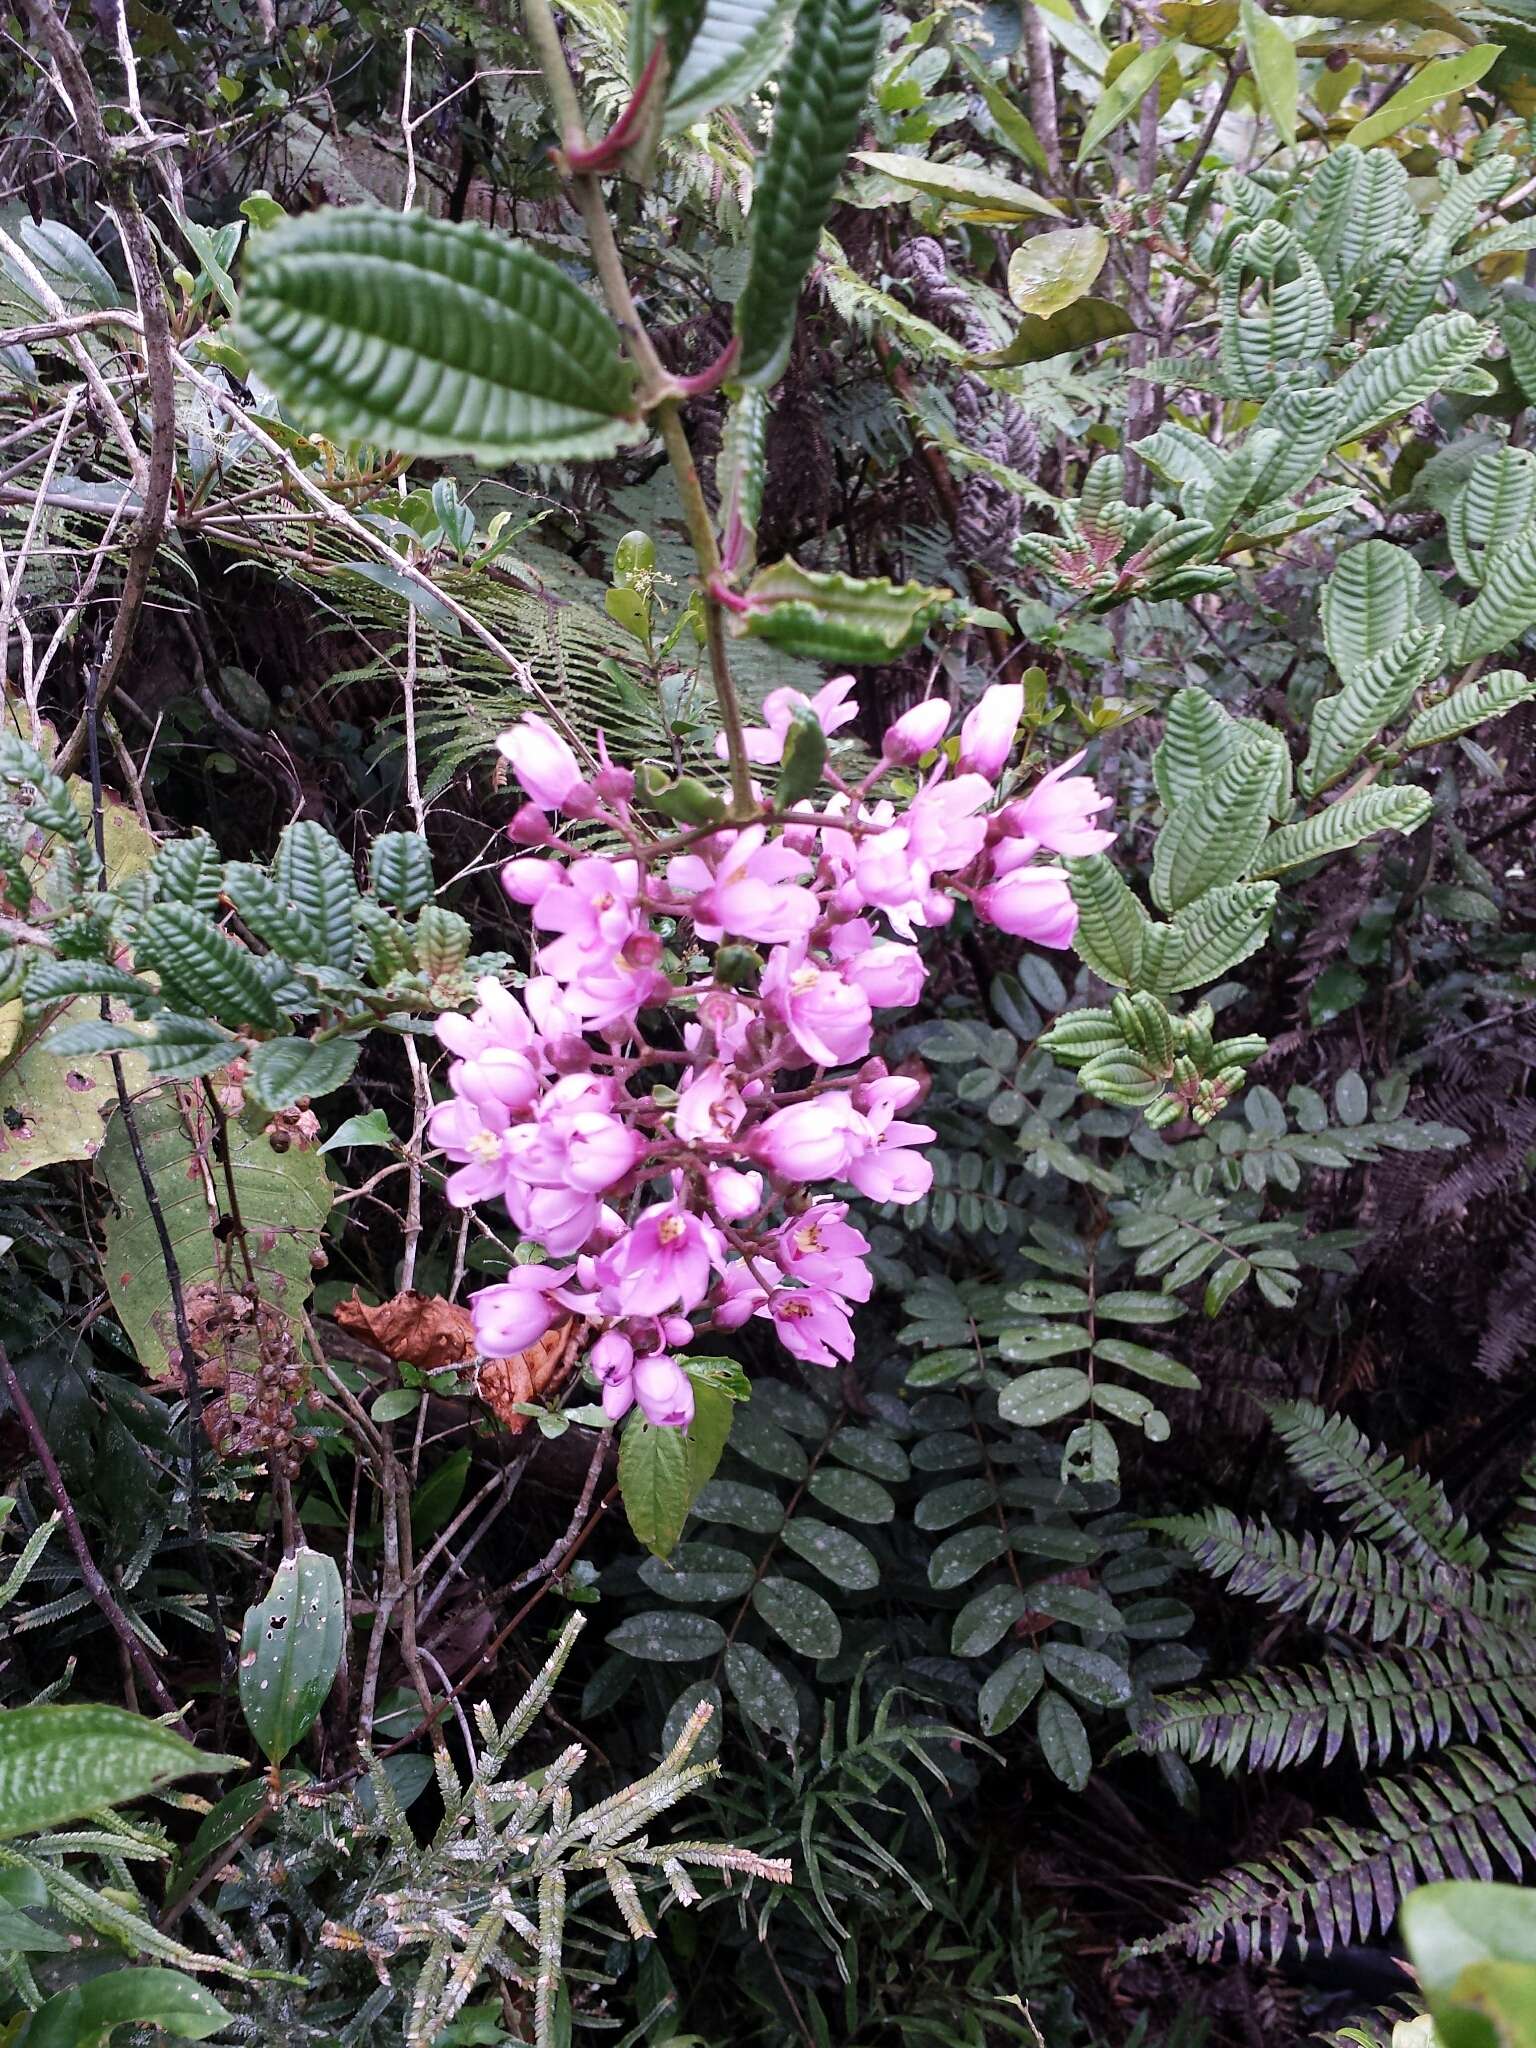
(1386, 1704)
(1517, 1545)
(1339, 1883)
(1382, 1498)
(1350, 1588)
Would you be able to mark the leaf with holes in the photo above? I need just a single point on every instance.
(433, 337)
(290, 1652)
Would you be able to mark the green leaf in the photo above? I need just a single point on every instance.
(983, 194)
(739, 1506)
(816, 117)
(1272, 60)
(833, 1552)
(86, 2014)
(1052, 271)
(201, 969)
(1014, 129)
(1199, 738)
(762, 1692)
(1473, 1947)
(824, 615)
(189, 871)
(698, 1574)
(662, 1471)
(400, 866)
(1080, 325)
(433, 337)
(736, 46)
(799, 1615)
(372, 1129)
(1344, 824)
(667, 1636)
(1374, 696)
(958, 1559)
(52, 981)
(1009, 1690)
(1111, 923)
(985, 1619)
(290, 1652)
(1064, 1741)
(313, 877)
(1088, 1674)
(805, 755)
(59, 1764)
(853, 1494)
(284, 1199)
(1387, 381)
(1125, 93)
(1044, 1396)
(1489, 697)
(267, 912)
(1506, 604)
(1210, 838)
(1437, 81)
(1217, 931)
(1146, 1363)
(289, 1070)
(1369, 602)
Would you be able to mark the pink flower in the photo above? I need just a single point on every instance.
(526, 878)
(498, 1076)
(814, 1140)
(542, 762)
(765, 743)
(664, 1391)
(612, 1357)
(1031, 903)
(827, 1016)
(741, 1294)
(666, 1258)
(562, 1220)
(917, 732)
(498, 1019)
(811, 1323)
(888, 1169)
(1057, 811)
(821, 1248)
(595, 909)
(709, 1107)
(735, 1196)
(747, 886)
(510, 1317)
(986, 737)
(891, 976)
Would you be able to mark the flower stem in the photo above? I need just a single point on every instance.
(657, 387)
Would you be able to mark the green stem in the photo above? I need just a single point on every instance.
(656, 390)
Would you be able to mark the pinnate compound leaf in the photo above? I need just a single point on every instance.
(290, 1651)
(1044, 1396)
(1489, 697)
(821, 97)
(762, 1692)
(1344, 824)
(824, 615)
(982, 194)
(58, 1764)
(668, 1636)
(433, 337)
(985, 1619)
(833, 1552)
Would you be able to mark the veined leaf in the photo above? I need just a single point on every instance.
(289, 1070)
(1052, 270)
(290, 1651)
(1506, 604)
(313, 875)
(827, 616)
(1199, 738)
(1111, 923)
(737, 45)
(821, 97)
(982, 193)
(1373, 696)
(1272, 60)
(1437, 81)
(200, 968)
(1211, 838)
(87, 2015)
(1369, 602)
(1389, 381)
(59, 1764)
(1344, 824)
(400, 868)
(1489, 697)
(1218, 930)
(1125, 93)
(1079, 325)
(433, 337)
(1494, 506)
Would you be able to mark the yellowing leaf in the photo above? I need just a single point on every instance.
(1054, 269)
(960, 184)
(1437, 81)
(1205, 23)
(1079, 325)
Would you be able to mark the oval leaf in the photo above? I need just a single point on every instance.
(290, 1649)
(59, 1764)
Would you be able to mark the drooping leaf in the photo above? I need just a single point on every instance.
(434, 337)
(290, 1651)
(824, 615)
(1079, 325)
(1436, 81)
(821, 97)
(58, 1764)
(1272, 60)
(1125, 93)
(982, 194)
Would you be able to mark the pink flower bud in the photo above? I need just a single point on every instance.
(917, 732)
(530, 827)
(526, 878)
(541, 761)
(1031, 903)
(509, 1318)
(665, 1393)
(986, 737)
(735, 1196)
(612, 1357)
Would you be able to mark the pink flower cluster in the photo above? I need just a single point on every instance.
(655, 1116)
